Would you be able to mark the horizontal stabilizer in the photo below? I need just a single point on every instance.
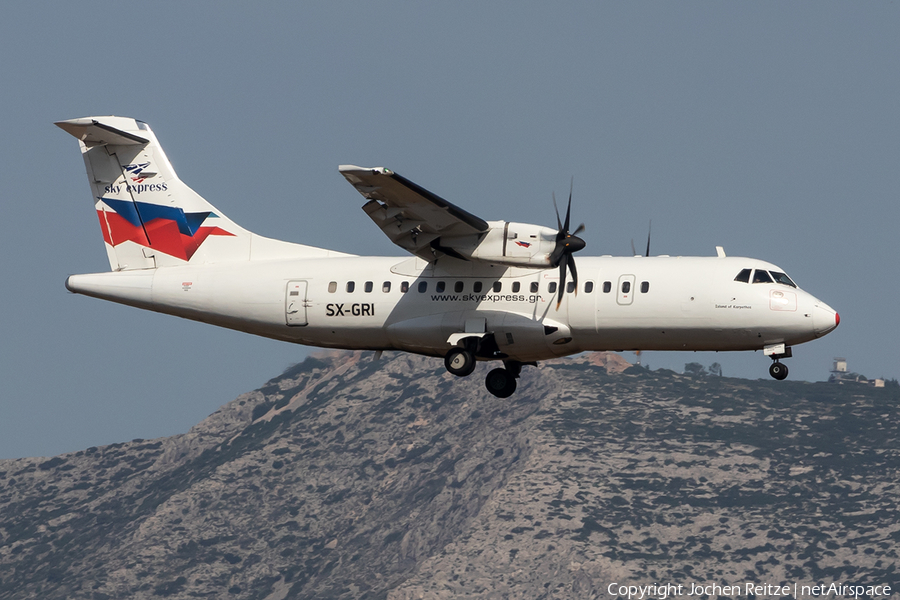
(95, 133)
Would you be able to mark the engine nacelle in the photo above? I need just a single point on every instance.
(514, 244)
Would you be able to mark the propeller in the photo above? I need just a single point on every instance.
(649, 230)
(566, 245)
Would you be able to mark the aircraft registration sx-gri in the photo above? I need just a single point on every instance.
(472, 289)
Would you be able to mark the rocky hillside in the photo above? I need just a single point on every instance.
(348, 478)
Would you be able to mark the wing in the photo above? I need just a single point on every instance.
(411, 216)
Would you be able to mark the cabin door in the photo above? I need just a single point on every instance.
(295, 303)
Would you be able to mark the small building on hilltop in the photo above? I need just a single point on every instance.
(840, 374)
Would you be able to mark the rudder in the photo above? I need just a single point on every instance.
(148, 216)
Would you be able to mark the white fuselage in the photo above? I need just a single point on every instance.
(622, 303)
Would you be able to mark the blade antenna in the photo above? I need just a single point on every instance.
(649, 230)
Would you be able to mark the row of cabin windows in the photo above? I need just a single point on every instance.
(496, 287)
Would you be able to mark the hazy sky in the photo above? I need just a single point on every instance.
(770, 128)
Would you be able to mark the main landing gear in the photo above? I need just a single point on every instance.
(460, 362)
(499, 382)
(502, 382)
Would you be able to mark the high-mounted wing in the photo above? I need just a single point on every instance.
(411, 216)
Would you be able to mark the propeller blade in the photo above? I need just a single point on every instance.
(579, 230)
(574, 273)
(558, 222)
(557, 254)
(649, 229)
(562, 279)
(569, 208)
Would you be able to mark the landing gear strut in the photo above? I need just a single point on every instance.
(501, 382)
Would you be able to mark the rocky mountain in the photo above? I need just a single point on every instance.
(351, 478)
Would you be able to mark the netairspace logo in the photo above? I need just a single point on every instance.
(657, 591)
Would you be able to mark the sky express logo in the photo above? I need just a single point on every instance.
(135, 170)
(137, 173)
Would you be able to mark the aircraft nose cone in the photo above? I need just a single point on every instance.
(825, 319)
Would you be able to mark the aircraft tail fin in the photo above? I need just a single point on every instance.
(148, 216)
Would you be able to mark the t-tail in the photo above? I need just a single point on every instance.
(148, 216)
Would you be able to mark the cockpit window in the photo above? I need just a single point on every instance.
(743, 276)
(760, 276)
(782, 278)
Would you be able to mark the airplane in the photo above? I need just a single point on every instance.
(470, 290)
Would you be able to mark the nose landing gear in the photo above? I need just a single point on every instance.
(777, 370)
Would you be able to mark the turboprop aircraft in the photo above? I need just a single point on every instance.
(471, 290)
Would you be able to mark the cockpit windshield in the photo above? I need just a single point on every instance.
(744, 276)
(782, 278)
(761, 276)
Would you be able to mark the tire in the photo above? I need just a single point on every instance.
(778, 371)
(460, 362)
(500, 383)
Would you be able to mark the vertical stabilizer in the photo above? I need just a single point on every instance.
(149, 217)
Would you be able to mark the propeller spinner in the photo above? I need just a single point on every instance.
(566, 245)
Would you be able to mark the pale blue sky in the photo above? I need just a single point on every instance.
(770, 128)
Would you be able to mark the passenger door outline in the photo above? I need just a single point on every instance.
(622, 297)
(295, 304)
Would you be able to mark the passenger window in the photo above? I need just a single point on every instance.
(497, 287)
(368, 287)
(607, 287)
(782, 278)
(458, 287)
(552, 287)
(534, 287)
(439, 287)
(626, 287)
(645, 287)
(386, 287)
(760, 276)
(516, 286)
(476, 287)
(570, 287)
(423, 285)
(404, 287)
(351, 285)
(332, 287)
(588, 287)
(743, 276)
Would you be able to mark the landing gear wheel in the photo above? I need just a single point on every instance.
(460, 362)
(500, 383)
(778, 371)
